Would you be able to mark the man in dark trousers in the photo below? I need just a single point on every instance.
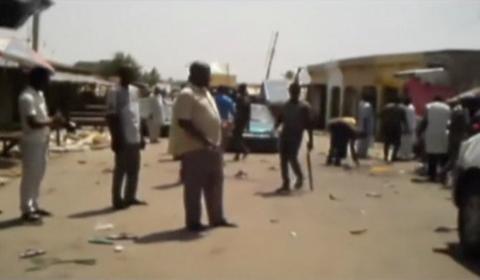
(242, 121)
(123, 118)
(342, 134)
(394, 123)
(198, 134)
(296, 118)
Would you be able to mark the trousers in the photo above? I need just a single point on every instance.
(127, 166)
(289, 149)
(34, 164)
(202, 172)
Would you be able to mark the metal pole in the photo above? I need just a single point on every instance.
(36, 31)
(272, 53)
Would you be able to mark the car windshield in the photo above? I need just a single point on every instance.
(261, 120)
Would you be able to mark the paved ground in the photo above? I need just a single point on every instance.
(304, 236)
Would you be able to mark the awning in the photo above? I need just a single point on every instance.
(78, 79)
(16, 50)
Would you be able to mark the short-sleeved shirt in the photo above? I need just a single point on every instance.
(436, 134)
(198, 106)
(125, 103)
(296, 117)
(32, 103)
(226, 107)
(341, 132)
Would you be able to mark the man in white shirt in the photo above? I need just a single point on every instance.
(123, 118)
(366, 122)
(436, 135)
(34, 143)
(155, 118)
(408, 137)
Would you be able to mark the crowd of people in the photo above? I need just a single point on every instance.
(200, 120)
(433, 139)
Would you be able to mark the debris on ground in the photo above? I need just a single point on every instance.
(363, 212)
(3, 181)
(11, 174)
(118, 248)
(373, 195)
(445, 229)
(358, 231)
(293, 234)
(100, 241)
(380, 170)
(107, 170)
(30, 253)
(82, 161)
(122, 236)
(402, 171)
(263, 160)
(102, 226)
(419, 180)
(146, 165)
(241, 175)
(332, 197)
(273, 168)
(97, 183)
(274, 221)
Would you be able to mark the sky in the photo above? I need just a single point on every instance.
(169, 35)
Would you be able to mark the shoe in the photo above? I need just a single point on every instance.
(298, 185)
(236, 158)
(120, 206)
(196, 227)
(31, 217)
(283, 190)
(137, 202)
(224, 223)
(43, 213)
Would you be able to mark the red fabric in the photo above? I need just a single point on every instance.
(422, 93)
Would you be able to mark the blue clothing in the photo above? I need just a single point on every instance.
(226, 106)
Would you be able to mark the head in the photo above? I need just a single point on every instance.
(39, 78)
(200, 74)
(364, 97)
(407, 100)
(157, 91)
(242, 89)
(126, 75)
(294, 91)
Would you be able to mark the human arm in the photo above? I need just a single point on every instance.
(184, 112)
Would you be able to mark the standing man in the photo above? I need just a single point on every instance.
(365, 127)
(198, 138)
(155, 118)
(394, 122)
(242, 122)
(296, 118)
(408, 136)
(123, 118)
(436, 135)
(226, 108)
(342, 135)
(34, 143)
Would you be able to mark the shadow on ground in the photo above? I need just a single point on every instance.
(274, 194)
(16, 222)
(92, 213)
(454, 251)
(175, 235)
(168, 186)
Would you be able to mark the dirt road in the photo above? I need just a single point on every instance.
(303, 236)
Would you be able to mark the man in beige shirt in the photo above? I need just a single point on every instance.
(197, 128)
